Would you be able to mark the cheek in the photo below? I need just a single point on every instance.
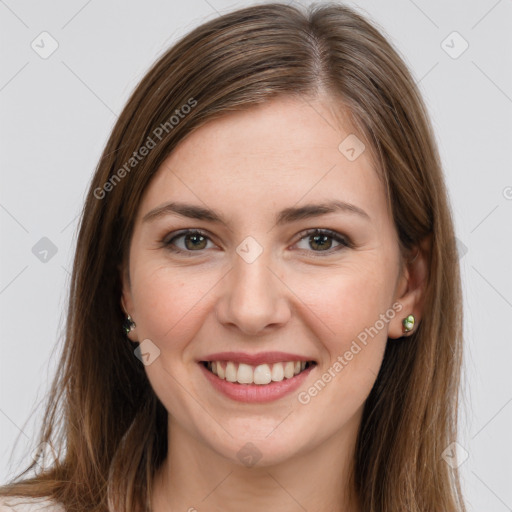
(168, 304)
(170, 313)
(352, 310)
(348, 301)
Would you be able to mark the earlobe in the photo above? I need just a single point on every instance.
(411, 292)
(129, 324)
(404, 324)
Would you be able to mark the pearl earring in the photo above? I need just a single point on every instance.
(408, 323)
(129, 324)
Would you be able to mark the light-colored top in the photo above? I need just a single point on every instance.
(22, 504)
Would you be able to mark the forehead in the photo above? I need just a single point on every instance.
(277, 154)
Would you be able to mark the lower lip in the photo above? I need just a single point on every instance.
(256, 392)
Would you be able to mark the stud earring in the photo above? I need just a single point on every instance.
(129, 324)
(408, 323)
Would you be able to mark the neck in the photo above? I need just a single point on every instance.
(193, 477)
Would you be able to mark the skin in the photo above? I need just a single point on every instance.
(294, 298)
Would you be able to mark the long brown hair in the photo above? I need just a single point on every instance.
(102, 418)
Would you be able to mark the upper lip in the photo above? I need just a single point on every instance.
(255, 359)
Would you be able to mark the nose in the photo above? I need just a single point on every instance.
(254, 298)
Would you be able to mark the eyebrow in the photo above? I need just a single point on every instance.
(285, 216)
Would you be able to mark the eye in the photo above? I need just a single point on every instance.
(193, 240)
(321, 240)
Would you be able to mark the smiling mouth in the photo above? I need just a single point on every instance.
(241, 373)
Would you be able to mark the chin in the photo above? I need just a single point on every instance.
(259, 449)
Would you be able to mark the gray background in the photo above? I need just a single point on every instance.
(58, 111)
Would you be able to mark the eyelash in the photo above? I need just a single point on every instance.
(343, 240)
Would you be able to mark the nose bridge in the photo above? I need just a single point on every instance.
(254, 296)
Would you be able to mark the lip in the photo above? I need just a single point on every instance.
(255, 359)
(258, 393)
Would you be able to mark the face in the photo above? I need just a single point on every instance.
(263, 284)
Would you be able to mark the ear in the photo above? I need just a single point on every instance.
(126, 298)
(411, 286)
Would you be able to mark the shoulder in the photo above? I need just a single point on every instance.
(25, 504)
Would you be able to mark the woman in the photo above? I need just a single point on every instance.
(269, 220)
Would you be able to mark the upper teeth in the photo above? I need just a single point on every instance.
(261, 374)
